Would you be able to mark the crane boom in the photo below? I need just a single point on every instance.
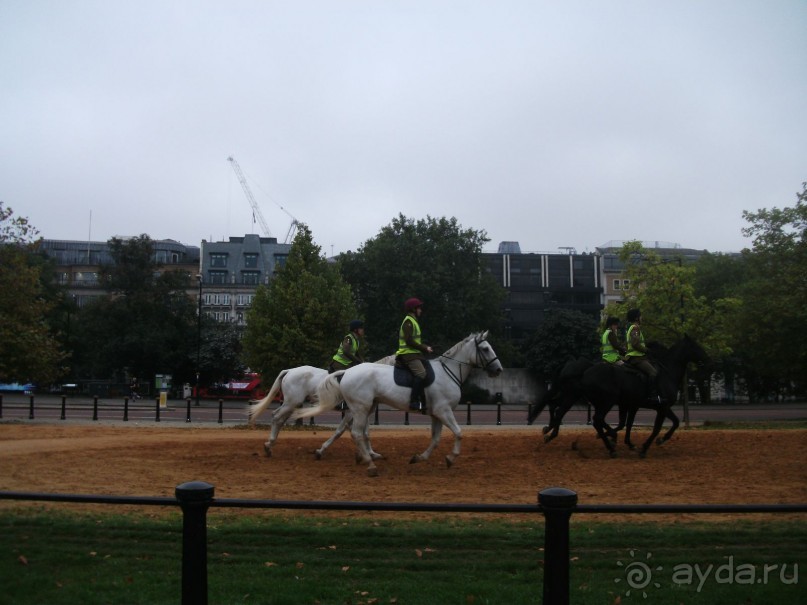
(250, 198)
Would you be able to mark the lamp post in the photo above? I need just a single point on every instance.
(198, 336)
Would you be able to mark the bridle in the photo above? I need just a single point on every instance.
(480, 363)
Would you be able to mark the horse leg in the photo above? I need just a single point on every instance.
(599, 425)
(555, 418)
(347, 419)
(631, 417)
(359, 433)
(437, 429)
(278, 420)
(660, 415)
(675, 422)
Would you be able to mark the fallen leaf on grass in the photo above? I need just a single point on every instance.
(22, 559)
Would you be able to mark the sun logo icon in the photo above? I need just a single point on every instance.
(639, 574)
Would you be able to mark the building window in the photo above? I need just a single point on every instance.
(626, 284)
(218, 277)
(218, 260)
(251, 278)
(251, 261)
(617, 284)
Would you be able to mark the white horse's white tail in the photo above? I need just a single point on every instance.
(258, 408)
(328, 397)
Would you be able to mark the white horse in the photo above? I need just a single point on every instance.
(366, 385)
(297, 385)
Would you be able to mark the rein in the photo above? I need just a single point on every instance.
(458, 379)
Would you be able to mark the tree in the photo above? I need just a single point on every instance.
(773, 336)
(29, 350)
(145, 326)
(435, 260)
(564, 335)
(301, 316)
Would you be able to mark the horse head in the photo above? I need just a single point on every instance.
(486, 357)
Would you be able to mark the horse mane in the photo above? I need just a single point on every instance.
(450, 352)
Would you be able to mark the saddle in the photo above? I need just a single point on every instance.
(403, 376)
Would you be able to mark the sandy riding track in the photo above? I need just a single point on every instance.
(497, 465)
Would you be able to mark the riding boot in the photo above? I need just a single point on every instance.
(416, 397)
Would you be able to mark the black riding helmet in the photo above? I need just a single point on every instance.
(356, 324)
(634, 315)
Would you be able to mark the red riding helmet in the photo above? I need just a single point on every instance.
(412, 303)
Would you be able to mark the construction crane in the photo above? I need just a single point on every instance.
(256, 209)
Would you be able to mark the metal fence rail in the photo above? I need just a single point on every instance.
(557, 504)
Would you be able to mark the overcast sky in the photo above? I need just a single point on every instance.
(548, 123)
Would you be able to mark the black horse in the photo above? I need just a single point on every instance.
(604, 385)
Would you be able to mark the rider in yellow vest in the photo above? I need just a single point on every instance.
(349, 353)
(637, 352)
(612, 349)
(411, 351)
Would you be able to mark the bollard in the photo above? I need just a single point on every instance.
(188, 414)
(376, 416)
(31, 407)
(1, 406)
(468, 415)
(126, 409)
(406, 418)
(157, 406)
(95, 408)
(221, 411)
(64, 407)
(498, 409)
(557, 504)
(588, 419)
(194, 497)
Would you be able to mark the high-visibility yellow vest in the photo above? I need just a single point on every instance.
(631, 351)
(403, 348)
(340, 353)
(609, 353)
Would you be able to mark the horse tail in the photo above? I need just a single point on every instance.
(258, 408)
(328, 396)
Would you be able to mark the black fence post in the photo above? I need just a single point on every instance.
(188, 414)
(406, 419)
(221, 411)
(157, 408)
(31, 407)
(557, 504)
(64, 407)
(376, 416)
(126, 409)
(195, 497)
(1, 406)
(588, 416)
(498, 409)
(468, 413)
(95, 408)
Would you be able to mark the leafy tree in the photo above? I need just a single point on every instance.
(301, 316)
(563, 335)
(435, 260)
(664, 290)
(29, 350)
(145, 326)
(773, 322)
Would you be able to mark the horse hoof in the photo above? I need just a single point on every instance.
(643, 454)
(660, 441)
(376, 456)
(449, 461)
(415, 459)
(545, 430)
(372, 471)
(268, 449)
(318, 454)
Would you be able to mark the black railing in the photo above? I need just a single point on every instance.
(557, 504)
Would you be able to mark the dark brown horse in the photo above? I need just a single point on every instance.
(605, 385)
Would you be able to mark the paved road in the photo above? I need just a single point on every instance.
(19, 407)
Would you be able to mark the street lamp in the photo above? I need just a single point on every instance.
(198, 336)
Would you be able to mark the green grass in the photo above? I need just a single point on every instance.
(59, 557)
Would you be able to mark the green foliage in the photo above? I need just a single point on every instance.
(29, 348)
(435, 260)
(301, 317)
(773, 338)
(146, 326)
(563, 335)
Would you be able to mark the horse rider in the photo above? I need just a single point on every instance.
(637, 351)
(612, 349)
(411, 351)
(349, 353)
